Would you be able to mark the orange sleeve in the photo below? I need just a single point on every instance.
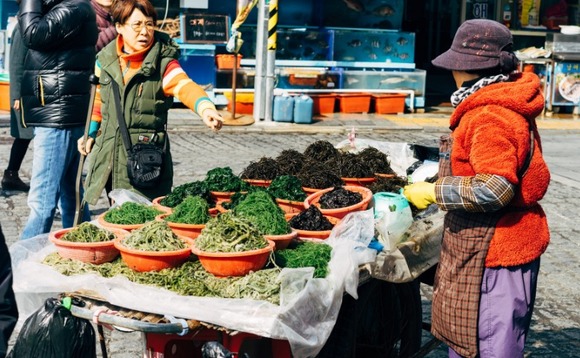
(176, 83)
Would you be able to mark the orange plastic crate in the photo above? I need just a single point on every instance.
(354, 103)
(389, 103)
(323, 103)
(5, 96)
(225, 62)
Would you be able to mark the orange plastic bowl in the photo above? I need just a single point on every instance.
(258, 182)
(290, 206)
(310, 234)
(220, 196)
(310, 190)
(359, 181)
(225, 264)
(282, 241)
(107, 225)
(144, 261)
(339, 213)
(157, 204)
(188, 230)
(89, 252)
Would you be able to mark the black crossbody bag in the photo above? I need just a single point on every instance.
(144, 160)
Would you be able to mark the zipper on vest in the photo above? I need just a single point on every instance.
(41, 90)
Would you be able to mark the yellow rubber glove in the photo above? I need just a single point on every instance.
(420, 194)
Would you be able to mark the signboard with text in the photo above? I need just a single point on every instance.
(205, 28)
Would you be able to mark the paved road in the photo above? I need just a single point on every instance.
(555, 330)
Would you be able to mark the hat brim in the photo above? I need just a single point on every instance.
(455, 61)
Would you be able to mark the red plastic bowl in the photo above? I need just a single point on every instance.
(88, 252)
(339, 213)
(225, 264)
(143, 261)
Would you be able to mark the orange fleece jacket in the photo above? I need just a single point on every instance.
(491, 136)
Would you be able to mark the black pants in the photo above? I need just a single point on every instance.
(8, 310)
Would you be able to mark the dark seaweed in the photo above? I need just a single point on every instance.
(339, 198)
(312, 220)
(389, 185)
(321, 151)
(376, 160)
(354, 166)
(290, 162)
(264, 169)
(319, 176)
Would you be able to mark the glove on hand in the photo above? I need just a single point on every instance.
(420, 194)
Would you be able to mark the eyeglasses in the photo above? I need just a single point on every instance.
(138, 26)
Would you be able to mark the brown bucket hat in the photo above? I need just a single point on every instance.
(478, 45)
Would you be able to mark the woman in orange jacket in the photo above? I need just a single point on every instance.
(491, 177)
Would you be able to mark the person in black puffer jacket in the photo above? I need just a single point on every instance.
(61, 36)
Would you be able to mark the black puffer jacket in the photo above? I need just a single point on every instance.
(61, 37)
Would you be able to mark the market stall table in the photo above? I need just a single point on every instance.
(308, 310)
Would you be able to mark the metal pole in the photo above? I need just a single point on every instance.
(271, 59)
(260, 79)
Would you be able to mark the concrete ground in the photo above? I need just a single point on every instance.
(555, 330)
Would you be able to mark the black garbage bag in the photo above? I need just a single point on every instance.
(53, 332)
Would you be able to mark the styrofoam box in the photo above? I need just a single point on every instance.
(386, 80)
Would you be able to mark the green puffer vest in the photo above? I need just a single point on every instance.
(145, 108)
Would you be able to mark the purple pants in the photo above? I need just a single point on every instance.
(505, 310)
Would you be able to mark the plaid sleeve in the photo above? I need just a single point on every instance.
(479, 193)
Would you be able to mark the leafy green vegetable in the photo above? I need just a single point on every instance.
(287, 187)
(189, 279)
(154, 236)
(178, 194)
(306, 254)
(130, 213)
(87, 232)
(261, 209)
(230, 233)
(192, 210)
(224, 180)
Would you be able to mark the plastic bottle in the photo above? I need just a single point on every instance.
(283, 108)
(507, 15)
(303, 109)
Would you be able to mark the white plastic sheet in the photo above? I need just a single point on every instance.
(305, 318)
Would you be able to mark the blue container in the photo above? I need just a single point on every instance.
(283, 108)
(303, 109)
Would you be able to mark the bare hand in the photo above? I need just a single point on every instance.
(212, 119)
(85, 148)
(16, 105)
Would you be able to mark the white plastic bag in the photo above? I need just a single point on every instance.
(121, 196)
(392, 218)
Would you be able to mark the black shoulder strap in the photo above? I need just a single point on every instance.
(120, 117)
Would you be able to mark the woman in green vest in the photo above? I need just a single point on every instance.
(143, 64)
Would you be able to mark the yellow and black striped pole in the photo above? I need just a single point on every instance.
(271, 58)
(272, 24)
